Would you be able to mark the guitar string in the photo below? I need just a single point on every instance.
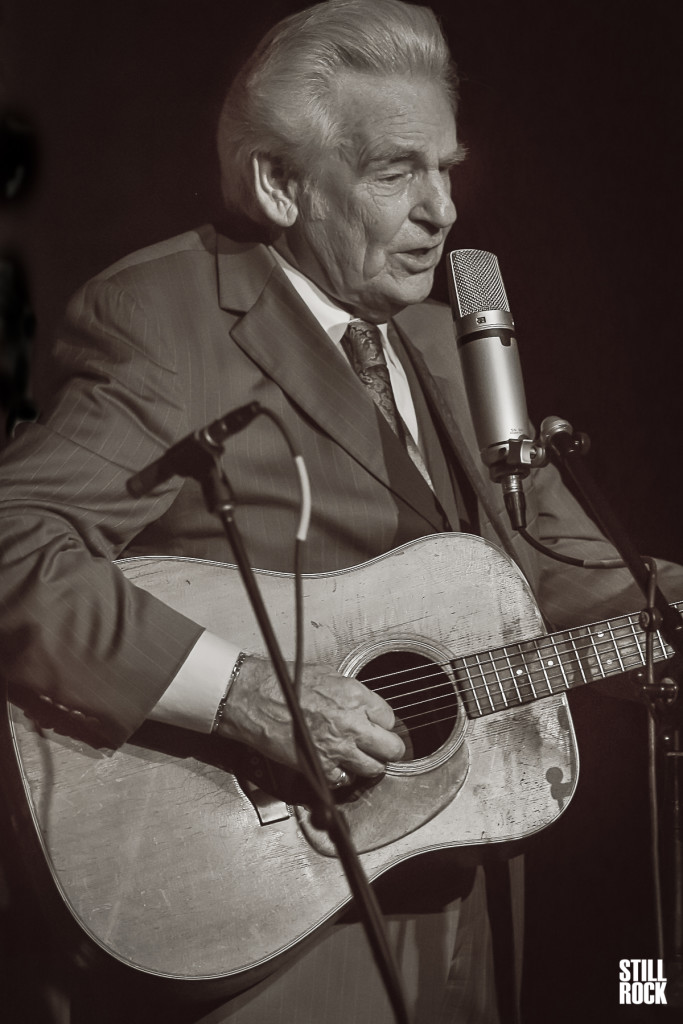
(501, 697)
(623, 629)
(492, 676)
(433, 721)
(496, 659)
(505, 700)
(630, 642)
(620, 628)
(540, 645)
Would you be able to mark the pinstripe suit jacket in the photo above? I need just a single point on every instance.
(158, 345)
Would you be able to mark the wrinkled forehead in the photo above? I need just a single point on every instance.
(378, 116)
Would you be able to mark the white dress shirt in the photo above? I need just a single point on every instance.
(194, 694)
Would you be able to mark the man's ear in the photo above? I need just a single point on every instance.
(276, 192)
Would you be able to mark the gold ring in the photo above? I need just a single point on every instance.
(342, 779)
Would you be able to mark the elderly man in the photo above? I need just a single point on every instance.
(337, 142)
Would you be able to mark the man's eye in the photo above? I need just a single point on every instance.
(390, 177)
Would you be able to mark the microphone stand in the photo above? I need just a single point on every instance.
(663, 698)
(206, 468)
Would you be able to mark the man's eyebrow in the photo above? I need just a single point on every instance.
(395, 155)
(458, 156)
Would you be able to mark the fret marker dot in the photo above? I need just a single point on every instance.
(550, 662)
(601, 634)
(609, 661)
(519, 672)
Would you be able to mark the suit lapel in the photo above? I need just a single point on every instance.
(461, 446)
(281, 335)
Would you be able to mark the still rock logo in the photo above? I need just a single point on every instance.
(642, 981)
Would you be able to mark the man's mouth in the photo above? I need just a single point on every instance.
(421, 258)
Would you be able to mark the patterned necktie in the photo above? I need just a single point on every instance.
(362, 344)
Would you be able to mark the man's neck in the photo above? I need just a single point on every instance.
(282, 248)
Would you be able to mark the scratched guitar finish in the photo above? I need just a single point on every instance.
(178, 868)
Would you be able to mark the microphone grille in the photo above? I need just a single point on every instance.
(476, 282)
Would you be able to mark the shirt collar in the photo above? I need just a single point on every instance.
(331, 318)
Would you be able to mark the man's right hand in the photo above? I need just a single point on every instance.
(350, 725)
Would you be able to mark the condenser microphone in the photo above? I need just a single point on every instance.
(487, 347)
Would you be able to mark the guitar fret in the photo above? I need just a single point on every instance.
(485, 681)
(565, 681)
(528, 673)
(547, 668)
(544, 669)
(498, 679)
(598, 657)
(665, 652)
(513, 675)
(631, 647)
(572, 660)
(471, 692)
(577, 656)
(616, 647)
(639, 646)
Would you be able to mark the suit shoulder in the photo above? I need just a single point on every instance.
(189, 244)
(147, 301)
(167, 276)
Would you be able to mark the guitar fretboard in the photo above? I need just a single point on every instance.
(518, 674)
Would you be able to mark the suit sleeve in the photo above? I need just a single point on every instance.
(571, 596)
(78, 640)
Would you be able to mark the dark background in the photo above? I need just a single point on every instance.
(571, 113)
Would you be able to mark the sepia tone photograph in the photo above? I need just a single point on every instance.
(340, 542)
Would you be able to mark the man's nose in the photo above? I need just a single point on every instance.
(434, 203)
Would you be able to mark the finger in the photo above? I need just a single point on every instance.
(381, 744)
(358, 763)
(378, 711)
(369, 752)
(338, 775)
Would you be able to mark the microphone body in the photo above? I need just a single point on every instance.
(487, 347)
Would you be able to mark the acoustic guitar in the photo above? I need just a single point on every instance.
(188, 858)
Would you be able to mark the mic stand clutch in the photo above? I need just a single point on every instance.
(662, 696)
(509, 465)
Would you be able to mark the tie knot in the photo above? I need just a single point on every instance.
(362, 343)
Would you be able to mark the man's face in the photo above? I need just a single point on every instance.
(372, 230)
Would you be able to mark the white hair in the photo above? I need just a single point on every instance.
(280, 102)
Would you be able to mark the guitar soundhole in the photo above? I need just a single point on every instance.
(421, 696)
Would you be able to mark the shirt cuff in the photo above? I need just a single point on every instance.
(192, 699)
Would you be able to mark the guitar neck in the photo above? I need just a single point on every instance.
(519, 674)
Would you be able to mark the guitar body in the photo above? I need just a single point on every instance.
(186, 860)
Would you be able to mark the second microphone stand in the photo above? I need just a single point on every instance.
(662, 696)
(206, 468)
